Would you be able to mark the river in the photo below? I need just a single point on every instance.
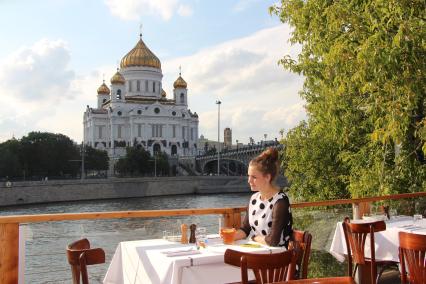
(45, 254)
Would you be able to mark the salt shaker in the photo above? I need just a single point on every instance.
(184, 236)
(193, 227)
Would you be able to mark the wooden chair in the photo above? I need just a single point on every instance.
(80, 255)
(267, 268)
(412, 250)
(355, 237)
(327, 280)
(302, 241)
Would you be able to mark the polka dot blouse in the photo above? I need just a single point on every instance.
(270, 218)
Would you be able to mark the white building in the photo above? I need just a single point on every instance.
(135, 110)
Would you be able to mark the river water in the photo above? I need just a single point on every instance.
(45, 243)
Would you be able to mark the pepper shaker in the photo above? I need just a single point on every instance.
(193, 227)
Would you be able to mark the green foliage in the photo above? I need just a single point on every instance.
(96, 159)
(39, 154)
(364, 68)
(138, 161)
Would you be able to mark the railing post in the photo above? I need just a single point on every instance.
(228, 219)
(9, 253)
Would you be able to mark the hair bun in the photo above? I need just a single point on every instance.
(271, 154)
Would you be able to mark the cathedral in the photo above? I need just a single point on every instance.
(135, 110)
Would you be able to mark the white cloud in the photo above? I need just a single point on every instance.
(40, 92)
(242, 5)
(185, 10)
(37, 72)
(258, 96)
(132, 10)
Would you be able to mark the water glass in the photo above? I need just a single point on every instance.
(201, 236)
(166, 235)
(417, 217)
(393, 213)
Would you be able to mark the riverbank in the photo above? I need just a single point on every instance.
(33, 192)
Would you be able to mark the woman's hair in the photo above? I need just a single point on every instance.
(267, 162)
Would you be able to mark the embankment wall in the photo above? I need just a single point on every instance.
(90, 189)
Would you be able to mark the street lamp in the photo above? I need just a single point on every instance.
(218, 136)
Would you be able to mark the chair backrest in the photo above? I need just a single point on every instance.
(267, 268)
(80, 255)
(355, 237)
(412, 249)
(327, 280)
(302, 240)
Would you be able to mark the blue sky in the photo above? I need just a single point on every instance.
(54, 54)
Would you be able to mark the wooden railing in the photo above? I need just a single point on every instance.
(9, 225)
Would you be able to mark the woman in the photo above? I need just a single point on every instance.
(268, 219)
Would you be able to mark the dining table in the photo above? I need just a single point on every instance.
(386, 242)
(160, 261)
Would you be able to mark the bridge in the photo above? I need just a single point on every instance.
(232, 161)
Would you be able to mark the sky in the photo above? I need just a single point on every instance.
(54, 55)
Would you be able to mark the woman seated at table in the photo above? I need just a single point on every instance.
(268, 220)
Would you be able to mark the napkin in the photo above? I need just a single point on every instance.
(181, 251)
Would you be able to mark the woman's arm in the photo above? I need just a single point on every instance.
(245, 229)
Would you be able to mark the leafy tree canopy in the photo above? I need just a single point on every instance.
(364, 69)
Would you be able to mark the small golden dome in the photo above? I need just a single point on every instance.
(118, 78)
(163, 93)
(180, 83)
(140, 55)
(103, 89)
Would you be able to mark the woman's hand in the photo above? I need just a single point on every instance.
(239, 235)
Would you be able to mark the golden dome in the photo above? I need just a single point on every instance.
(118, 78)
(180, 83)
(103, 89)
(163, 93)
(140, 55)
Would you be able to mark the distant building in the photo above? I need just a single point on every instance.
(205, 145)
(135, 111)
(227, 138)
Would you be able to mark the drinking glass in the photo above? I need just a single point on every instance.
(417, 217)
(228, 235)
(393, 213)
(201, 237)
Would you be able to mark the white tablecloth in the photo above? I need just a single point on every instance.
(386, 242)
(145, 262)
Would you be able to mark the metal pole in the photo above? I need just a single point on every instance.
(82, 160)
(218, 136)
(155, 165)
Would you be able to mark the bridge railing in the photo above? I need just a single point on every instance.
(9, 225)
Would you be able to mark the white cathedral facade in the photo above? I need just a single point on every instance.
(135, 110)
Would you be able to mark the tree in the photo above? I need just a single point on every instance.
(364, 69)
(136, 161)
(96, 159)
(10, 164)
(162, 163)
(39, 154)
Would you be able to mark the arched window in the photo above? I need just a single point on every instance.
(182, 98)
(118, 94)
(174, 150)
(156, 149)
(153, 87)
(138, 86)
